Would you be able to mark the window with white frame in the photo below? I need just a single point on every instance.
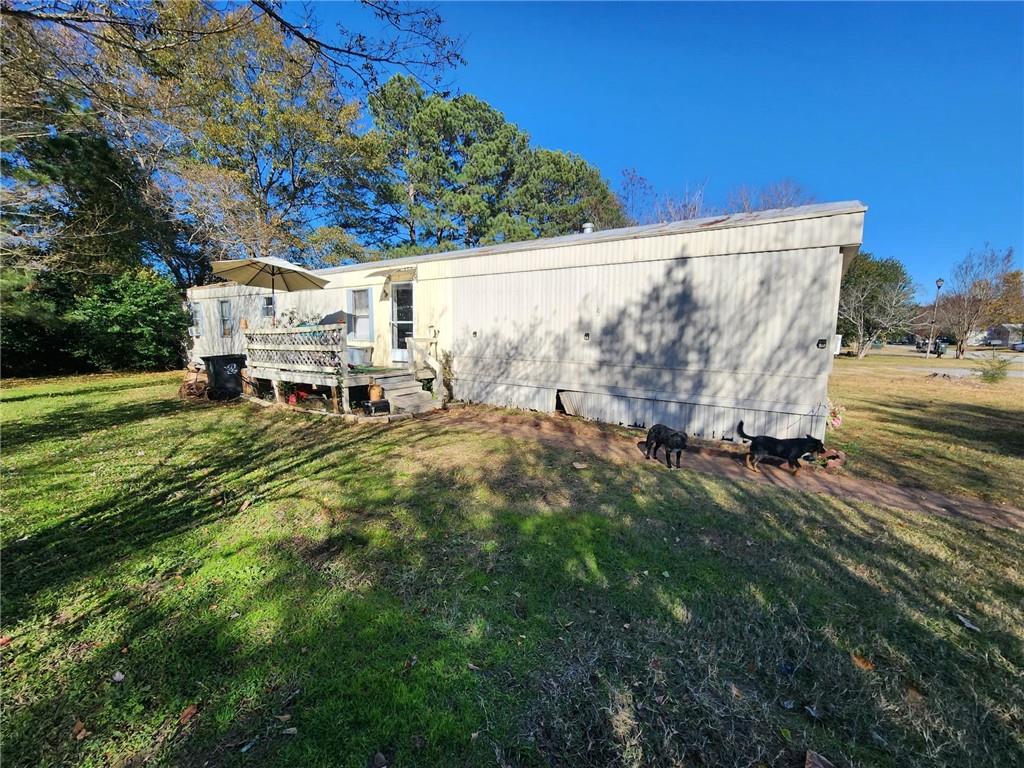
(268, 306)
(225, 317)
(360, 322)
(195, 319)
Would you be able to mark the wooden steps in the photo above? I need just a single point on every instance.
(406, 394)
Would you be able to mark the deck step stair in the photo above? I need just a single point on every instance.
(406, 394)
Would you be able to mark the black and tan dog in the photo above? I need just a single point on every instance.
(790, 450)
(660, 435)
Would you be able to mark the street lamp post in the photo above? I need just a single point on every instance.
(935, 309)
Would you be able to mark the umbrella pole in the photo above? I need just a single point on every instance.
(273, 301)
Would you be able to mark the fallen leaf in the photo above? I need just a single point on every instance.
(814, 760)
(234, 615)
(245, 505)
(290, 731)
(579, 465)
(118, 677)
(861, 663)
(473, 667)
(665, 574)
(474, 735)
(124, 650)
(968, 623)
(735, 691)
(788, 704)
(784, 732)
(283, 718)
(78, 732)
(914, 696)
(5, 641)
(250, 744)
(188, 713)
(813, 711)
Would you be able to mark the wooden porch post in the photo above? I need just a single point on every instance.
(343, 340)
(334, 399)
(278, 398)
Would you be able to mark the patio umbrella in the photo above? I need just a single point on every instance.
(269, 272)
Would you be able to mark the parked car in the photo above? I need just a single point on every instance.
(995, 343)
(938, 348)
(1017, 346)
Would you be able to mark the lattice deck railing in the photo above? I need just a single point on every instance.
(320, 348)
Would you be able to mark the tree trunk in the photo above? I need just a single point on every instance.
(410, 191)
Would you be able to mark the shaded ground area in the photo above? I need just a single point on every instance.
(589, 439)
(183, 584)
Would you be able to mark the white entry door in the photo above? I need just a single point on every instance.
(402, 316)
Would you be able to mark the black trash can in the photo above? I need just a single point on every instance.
(224, 374)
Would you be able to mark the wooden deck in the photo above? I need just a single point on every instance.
(318, 355)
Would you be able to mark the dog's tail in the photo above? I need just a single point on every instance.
(743, 434)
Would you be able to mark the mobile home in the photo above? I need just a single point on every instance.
(696, 324)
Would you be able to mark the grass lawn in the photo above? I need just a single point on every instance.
(955, 436)
(183, 584)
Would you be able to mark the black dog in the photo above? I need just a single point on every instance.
(790, 449)
(660, 435)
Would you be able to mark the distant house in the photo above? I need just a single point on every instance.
(1004, 334)
(696, 324)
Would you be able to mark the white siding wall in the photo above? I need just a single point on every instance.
(694, 328)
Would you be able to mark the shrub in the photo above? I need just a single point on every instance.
(994, 369)
(134, 322)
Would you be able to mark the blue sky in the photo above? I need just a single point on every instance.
(916, 109)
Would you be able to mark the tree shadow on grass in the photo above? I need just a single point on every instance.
(401, 590)
(75, 422)
(41, 390)
(982, 427)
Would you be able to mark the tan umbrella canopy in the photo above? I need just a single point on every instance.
(269, 272)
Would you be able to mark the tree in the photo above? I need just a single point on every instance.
(876, 299)
(779, 194)
(457, 174)
(643, 204)
(554, 193)
(1009, 303)
(147, 71)
(975, 289)
(33, 331)
(412, 38)
(267, 133)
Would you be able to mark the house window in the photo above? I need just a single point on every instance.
(195, 319)
(225, 317)
(360, 323)
(268, 306)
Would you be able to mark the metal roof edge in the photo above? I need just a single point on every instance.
(706, 224)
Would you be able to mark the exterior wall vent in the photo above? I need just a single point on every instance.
(588, 228)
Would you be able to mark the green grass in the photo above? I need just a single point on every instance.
(453, 598)
(956, 436)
